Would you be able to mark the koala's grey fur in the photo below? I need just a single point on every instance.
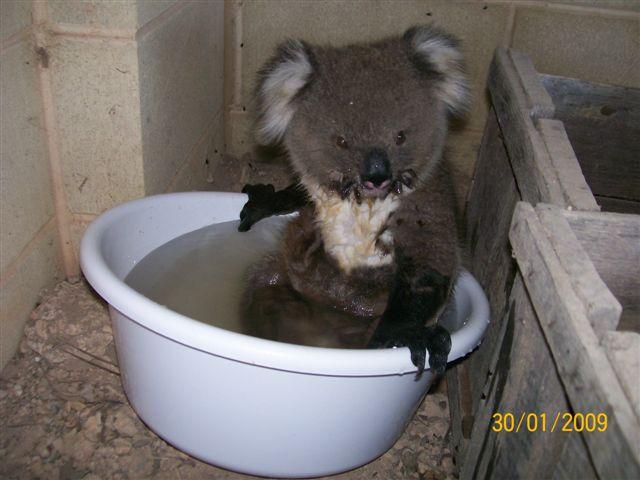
(387, 250)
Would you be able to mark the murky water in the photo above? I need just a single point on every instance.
(201, 274)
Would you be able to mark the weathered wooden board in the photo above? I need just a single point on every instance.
(574, 462)
(602, 308)
(523, 365)
(587, 375)
(612, 241)
(623, 350)
(525, 381)
(534, 173)
(492, 198)
(603, 124)
(575, 190)
(459, 395)
(538, 102)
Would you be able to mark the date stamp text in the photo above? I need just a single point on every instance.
(543, 422)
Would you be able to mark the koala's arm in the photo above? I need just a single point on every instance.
(426, 255)
(264, 201)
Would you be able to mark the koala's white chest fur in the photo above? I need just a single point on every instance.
(352, 232)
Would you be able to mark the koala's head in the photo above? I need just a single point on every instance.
(371, 116)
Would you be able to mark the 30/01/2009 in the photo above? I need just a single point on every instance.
(543, 422)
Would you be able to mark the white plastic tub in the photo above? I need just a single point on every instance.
(239, 402)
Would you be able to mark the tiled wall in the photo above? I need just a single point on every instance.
(596, 40)
(102, 101)
(30, 256)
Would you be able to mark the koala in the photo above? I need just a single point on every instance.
(376, 238)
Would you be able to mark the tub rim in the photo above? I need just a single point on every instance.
(251, 350)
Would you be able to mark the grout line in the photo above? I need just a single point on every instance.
(236, 42)
(63, 215)
(161, 19)
(579, 9)
(188, 158)
(15, 39)
(83, 217)
(13, 267)
(130, 34)
(507, 40)
(90, 31)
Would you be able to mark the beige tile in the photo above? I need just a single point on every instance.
(181, 82)
(632, 5)
(95, 89)
(116, 14)
(25, 187)
(149, 9)
(596, 48)
(14, 16)
(18, 296)
(266, 23)
(239, 137)
(200, 167)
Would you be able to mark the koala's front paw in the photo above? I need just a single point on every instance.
(434, 339)
(260, 204)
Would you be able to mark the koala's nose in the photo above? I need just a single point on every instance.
(376, 170)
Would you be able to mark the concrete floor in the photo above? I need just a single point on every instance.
(63, 414)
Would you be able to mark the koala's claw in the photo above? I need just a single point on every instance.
(434, 339)
(405, 179)
(259, 205)
(396, 187)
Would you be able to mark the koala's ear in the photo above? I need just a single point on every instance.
(279, 82)
(433, 51)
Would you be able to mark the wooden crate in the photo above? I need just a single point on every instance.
(528, 154)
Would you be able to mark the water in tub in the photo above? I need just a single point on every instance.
(202, 275)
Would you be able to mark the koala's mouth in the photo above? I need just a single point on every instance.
(404, 181)
(375, 190)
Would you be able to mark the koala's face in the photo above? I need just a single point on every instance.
(370, 117)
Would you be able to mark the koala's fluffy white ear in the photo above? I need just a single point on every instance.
(434, 51)
(280, 81)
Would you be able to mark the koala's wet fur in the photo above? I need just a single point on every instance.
(376, 237)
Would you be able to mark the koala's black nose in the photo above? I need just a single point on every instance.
(376, 170)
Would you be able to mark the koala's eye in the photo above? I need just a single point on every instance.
(341, 142)
(400, 137)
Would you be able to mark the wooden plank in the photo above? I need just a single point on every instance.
(603, 124)
(575, 462)
(492, 198)
(537, 100)
(459, 409)
(623, 350)
(490, 400)
(602, 308)
(610, 204)
(518, 388)
(535, 175)
(574, 187)
(588, 377)
(612, 241)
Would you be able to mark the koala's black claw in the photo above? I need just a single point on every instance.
(396, 187)
(433, 339)
(438, 342)
(418, 357)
